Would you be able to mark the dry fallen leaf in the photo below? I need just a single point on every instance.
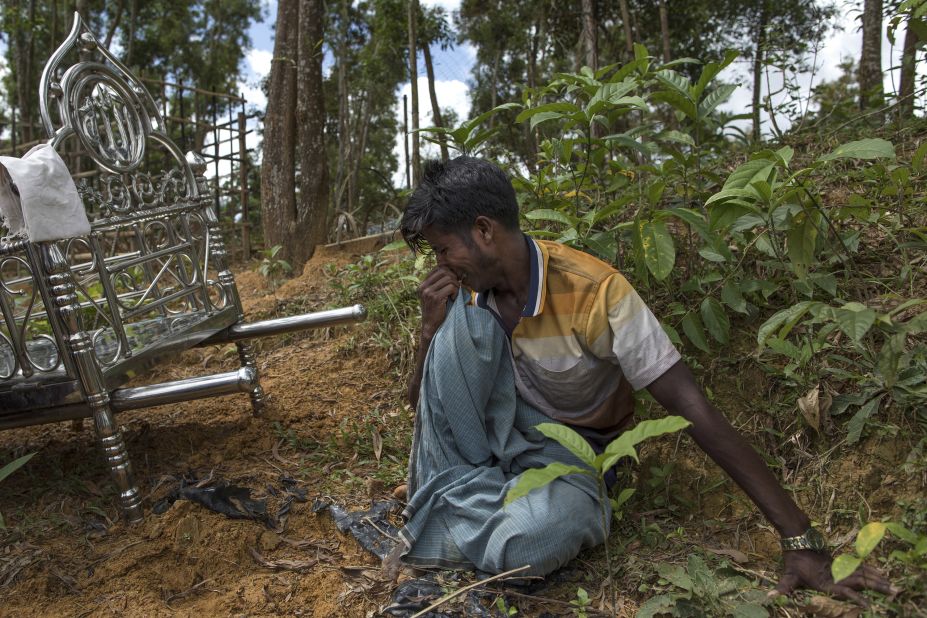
(810, 408)
(282, 565)
(377, 443)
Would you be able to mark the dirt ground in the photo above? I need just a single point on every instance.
(66, 552)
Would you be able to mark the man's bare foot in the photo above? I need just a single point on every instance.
(401, 492)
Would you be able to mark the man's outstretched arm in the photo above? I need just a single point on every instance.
(677, 391)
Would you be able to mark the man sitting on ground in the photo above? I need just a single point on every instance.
(539, 331)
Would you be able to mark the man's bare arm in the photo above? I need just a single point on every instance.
(677, 391)
(434, 292)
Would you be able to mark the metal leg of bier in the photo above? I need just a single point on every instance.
(110, 438)
(246, 355)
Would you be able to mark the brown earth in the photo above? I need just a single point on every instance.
(337, 424)
(66, 552)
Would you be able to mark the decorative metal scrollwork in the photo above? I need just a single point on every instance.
(25, 345)
(106, 115)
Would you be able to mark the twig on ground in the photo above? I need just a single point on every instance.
(115, 553)
(276, 453)
(380, 530)
(457, 593)
(187, 592)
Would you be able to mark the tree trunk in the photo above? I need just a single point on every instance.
(870, 62)
(435, 109)
(908, 66)
(530, 141)
(413, 76)
(278, 166)
(494, 86)
(344, 145)
(626, 25)
(664, 30)
(758, 57)
(133, 22)
(113, 24)
(54, 22)
(310, 226)
(588, 36)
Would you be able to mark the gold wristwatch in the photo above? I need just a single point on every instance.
(811, 539)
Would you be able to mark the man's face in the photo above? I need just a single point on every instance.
(466, 255)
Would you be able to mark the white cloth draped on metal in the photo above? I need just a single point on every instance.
(473, 437)
(45, 204)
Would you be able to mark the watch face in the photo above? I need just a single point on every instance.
(816, 539)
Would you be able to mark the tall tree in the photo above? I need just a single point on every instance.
(434, 30)
(870, 62)
(909, 65)
(589, 35)
(294, 196)
(413, 79)
(626, 27)
(368, 43)
(664, 30)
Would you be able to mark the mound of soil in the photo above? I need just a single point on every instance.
(66, 551)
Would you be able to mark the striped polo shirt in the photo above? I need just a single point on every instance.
(586, 340)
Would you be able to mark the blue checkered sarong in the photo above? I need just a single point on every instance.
(473, 437)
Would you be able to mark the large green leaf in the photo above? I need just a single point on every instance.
(603, 244)
(658, 248)
(789, 315)
(715, 98)
(855, 320)
(843, 566)
(676, 81)
(692, 327)
(678, 101)
(872, 148)
(803, 236)
(545, 116)
(535, 478)
(751, 171)
(733, 297)
(869, 537)
(561, 106)
(856, 424)
(693, 218)
(14, 465)
(716, 320)
(609, 93)
(570, 440)
(711, 71)
(547, 214)
(623, 445)
(901, 532)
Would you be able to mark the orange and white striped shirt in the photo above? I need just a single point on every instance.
(586, 340)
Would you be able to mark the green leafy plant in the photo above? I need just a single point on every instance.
(869, 537)
(581, 603)
(273, 268)
(593, 465)
(9, 469)
(504, 608)
(697, 590)
(469, 137)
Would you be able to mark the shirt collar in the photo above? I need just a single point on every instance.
(537, 260)
(536, 288)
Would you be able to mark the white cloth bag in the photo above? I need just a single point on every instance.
(48, 206)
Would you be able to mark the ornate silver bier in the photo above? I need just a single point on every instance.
(82, 316)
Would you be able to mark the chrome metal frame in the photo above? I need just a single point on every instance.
(80, 317)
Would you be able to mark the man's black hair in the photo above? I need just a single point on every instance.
(452, 195)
